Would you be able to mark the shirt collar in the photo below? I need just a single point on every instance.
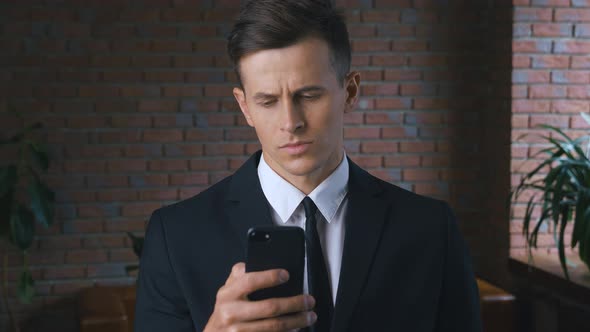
(285, 198)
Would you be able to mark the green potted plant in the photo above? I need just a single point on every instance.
(24, 201)
(563, 193)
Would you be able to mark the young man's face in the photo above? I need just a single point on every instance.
(296, 104)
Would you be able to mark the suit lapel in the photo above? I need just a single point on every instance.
(247, 206)
(364, 220)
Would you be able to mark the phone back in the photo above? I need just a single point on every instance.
(277, 247)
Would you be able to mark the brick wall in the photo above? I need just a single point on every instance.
(136, 100)
(551, 79)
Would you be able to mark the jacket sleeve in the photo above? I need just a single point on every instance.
(459, 309)
(160, 304)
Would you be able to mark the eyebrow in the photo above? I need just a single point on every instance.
(312, 88)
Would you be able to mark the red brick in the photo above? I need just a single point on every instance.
(84, 166)
(361, 132)
(519, 91)
(122, 255)
(183, 91)
(577, 76)
(522, 14)
(572, 46)
(580, 61)
(118, 106)
(553, 120)
(383, 118)
(63, 272)
(104, 241)
(380, 16)
(139, 209)
(86, 122)
(360, 60)
(162, 135)
(189, 179)
(140, 91)
(151, 61)
(70, 288)
(420, 174)
(133, 121)
(121, 76)
(578, 122)
(435, 160)
(213, 90)
(224, 149)
(126, 225)
(204, 135)
(392, 103)
(378, 147)
(85, 256)
(552, 30)
(354, 118)
(209, 164)
(528, 106)
(547, 91)
(221, 119)
(107, 61)
(116, 195)
(551, 61)
(164, 76)
(388, 60)
(240, 134)
(181, 150)
(126, 165)
(402, 75)
(399, 132)
(401, 160)
(375, 45)
(430, 60)
(572, 15)
(431, 189)
(570, 106)
(170, 46)
(193, 61)
(361, 31)
(431, 103)
(409, 45)
(98, 91)
(417, 147)
(520, 121)
(578, 92)
(158, 195)
(168, 165)
(181, 15)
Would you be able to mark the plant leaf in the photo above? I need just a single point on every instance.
(22, 227)
(137, 243)
(39, 154)
(560, 243)
(42, 202)
(26, 287)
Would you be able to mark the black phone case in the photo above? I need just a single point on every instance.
(284, 249)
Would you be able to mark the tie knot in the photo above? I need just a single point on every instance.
(309, 206)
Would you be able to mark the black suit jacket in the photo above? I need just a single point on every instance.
(404, 268)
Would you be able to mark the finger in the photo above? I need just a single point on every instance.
(253, 281)
(282, 323)
(255, 310)
(237, 271)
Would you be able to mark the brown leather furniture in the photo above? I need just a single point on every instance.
(111, 308)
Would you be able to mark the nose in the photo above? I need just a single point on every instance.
(292, 117)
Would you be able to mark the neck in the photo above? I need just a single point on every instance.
(308, 182)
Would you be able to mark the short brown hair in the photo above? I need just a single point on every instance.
(271, 24)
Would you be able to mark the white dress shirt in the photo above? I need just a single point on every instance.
(330, 198)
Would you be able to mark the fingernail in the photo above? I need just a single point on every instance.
(311, 318)
(309, 302)
(283, 276)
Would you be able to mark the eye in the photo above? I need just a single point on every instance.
(310, 97)
(267, 103)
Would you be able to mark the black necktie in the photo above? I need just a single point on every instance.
(317, 274)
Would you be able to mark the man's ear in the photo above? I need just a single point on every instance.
(240, 96)
(353, 89)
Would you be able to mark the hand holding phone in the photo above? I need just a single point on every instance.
(277, 247)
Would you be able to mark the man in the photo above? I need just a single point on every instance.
(390, 260)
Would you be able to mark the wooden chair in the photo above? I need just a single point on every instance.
(112, 308)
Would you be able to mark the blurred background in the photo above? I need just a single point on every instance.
(137, 112)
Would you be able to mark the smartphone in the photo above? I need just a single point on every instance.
(273, 247)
